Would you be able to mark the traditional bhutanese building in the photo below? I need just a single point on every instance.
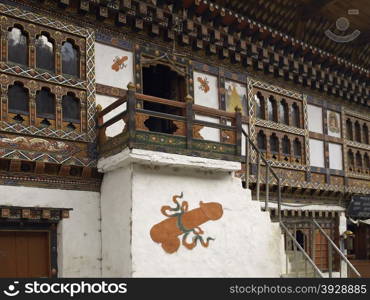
(189, 138)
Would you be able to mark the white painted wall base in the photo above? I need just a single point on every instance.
(247, 243)
(79, 237)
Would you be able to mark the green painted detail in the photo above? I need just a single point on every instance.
(180, 210)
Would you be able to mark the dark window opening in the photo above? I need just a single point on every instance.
(296, 121)
(44, 53)
(274, 143)
(358, 160)
(300, 237)
(70, 59)
(18, 100)
(365, 131)
(358, 132)
(160, 81)
(71, 108)
(286, 145)
(17, 46)
(260, 106)
(272, 109)
(297, 148)
(366, 161)
(27, 166)
(284, 112)
(45, 104)
(261, 141)
(351, 160)
(349, 130)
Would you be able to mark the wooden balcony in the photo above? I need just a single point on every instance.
(187, 119)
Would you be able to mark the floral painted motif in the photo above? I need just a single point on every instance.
(119, 63)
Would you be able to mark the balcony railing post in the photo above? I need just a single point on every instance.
(189, 121)
(258, 180)
(102, 138)
(131, 109)
(279, 198)
(238, 133)
(267, 187)
(246, 174)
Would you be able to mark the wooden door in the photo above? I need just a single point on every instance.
(321, 250)
(24, 254)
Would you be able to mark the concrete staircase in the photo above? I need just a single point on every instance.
(298, 266)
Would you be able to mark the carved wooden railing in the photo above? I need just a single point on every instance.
(186, 120)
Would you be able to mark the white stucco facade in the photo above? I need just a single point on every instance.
(79, 237)
(247, 243)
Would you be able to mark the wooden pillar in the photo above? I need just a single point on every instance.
(238, 133)
(189, 121)
(131, 108)
(58, 50)
(4, 81)
(31, 45)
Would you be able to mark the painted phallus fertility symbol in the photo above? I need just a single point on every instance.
(184, 222)
(342, 24)
(119, 63)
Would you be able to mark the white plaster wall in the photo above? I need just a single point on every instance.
(79, 240)
(314, 114)
(116, 226)
(247, 243)
(209, 133)
(117, 127)
(104, 60)
(316, 153)
(203, 97)
(335, 156)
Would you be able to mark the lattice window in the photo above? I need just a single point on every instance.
(296, 118)
(284, 112)
(274, 143)
(71, 108)
(366, 161)
(297, 147)
(45, 52)
(261, 141)
(70, 59)
(18, 99)
(349, 129)
(350, 158)
(358, 160)
(17, 45)
(260, 106)
(45, 104)
(286, 145)
(357, 132)
(365, 132)
(272, 109)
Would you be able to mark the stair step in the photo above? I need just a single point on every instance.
(299, 275)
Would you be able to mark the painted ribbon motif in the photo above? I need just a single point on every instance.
(181, 221)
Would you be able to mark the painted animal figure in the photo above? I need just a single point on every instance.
(184, 222)
(204, 84)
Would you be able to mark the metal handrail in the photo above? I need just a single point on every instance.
(342, 256)
(306, 256)
(269, 170)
